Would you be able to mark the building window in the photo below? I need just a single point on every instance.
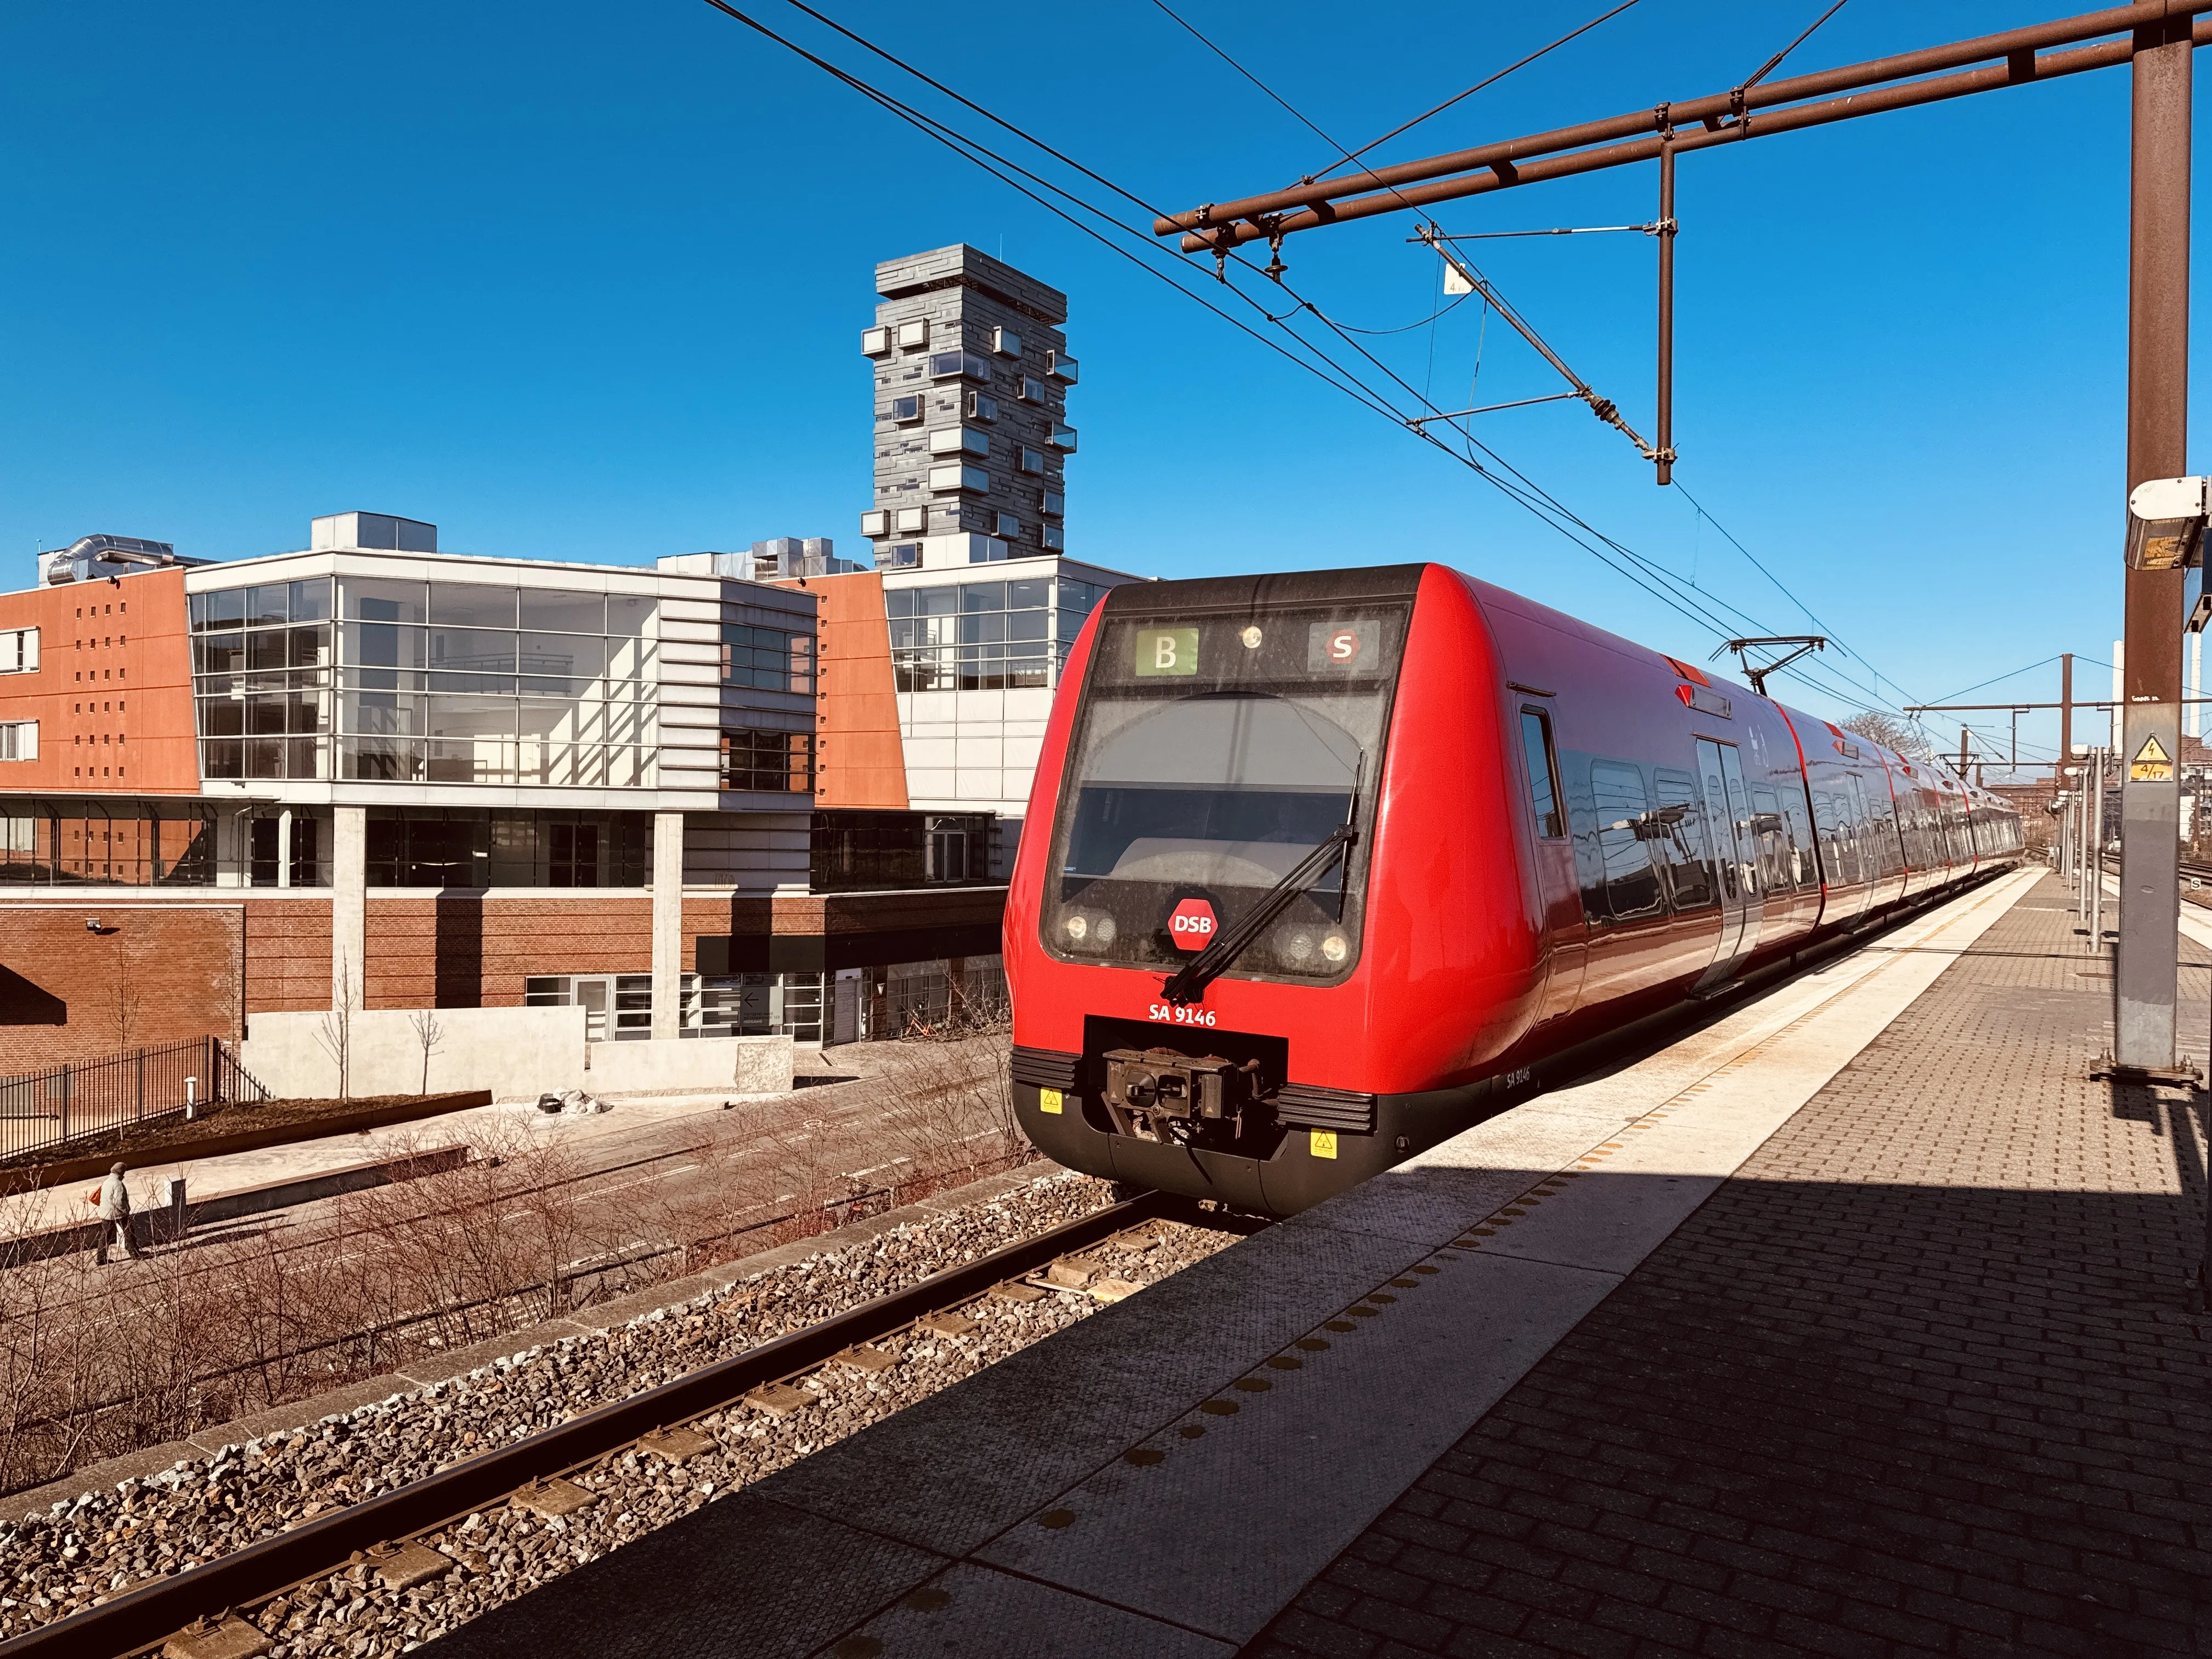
(959, 439)
(617, 1008)
(1063, 439)
(766, 659)
(875, 523)
(1060, 367)
(1052, 504)
(436, 682)
(18, 740)
(913, 520)
(875, 341)
(19, 650)
(1031, 390)
(477, 847)
(107, 843)
(1052, 537)
(1005, 342)
(956, 365)
(1008, 526)
(769, 762)
(899, 556)
(854, 851)
(977, 636)
(945, 479)
(981, 406)
(1077, 600)
(906, 409)
(1032, 460)
(913, 333)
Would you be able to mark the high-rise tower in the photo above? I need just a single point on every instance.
(972, 375)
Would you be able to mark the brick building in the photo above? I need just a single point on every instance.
(770, 791)
(375, 772)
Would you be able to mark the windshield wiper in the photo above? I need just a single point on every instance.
(1188, 985)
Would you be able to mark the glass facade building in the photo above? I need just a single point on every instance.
(430, 682)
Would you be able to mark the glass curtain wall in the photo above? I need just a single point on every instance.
(473, 847)
(986, 637)
(94, 843)
(261, 673)
(425, 682)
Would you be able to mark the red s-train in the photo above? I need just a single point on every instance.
(1322, 868)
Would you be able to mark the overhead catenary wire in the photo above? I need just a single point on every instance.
(1461, 97)
(1654, 579)
(1294, 113)
(1773, 63)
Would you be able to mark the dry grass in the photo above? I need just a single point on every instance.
(95, 1362)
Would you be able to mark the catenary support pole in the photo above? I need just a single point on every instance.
(2143, 978)
(2065, 712)
(1664, 440)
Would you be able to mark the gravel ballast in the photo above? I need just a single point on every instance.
(103, 1543)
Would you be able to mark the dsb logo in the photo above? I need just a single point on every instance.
(1191, 925)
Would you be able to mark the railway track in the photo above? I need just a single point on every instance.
(206, 1611)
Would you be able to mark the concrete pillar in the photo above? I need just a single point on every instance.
(349, 903)
(284, 848)
(668, 924)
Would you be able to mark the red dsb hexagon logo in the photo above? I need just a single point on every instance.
(1191, 925)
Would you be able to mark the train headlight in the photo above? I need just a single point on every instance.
(1299, 947)
(1251, 636)
(1104, 932)
(1336, 947)
(1077, 928)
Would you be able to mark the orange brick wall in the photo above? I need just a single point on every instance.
(112, 694)
(288, 955)
(860, 758)
(165, 973)
(463, 950)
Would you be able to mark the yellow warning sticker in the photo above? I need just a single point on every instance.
(1050, 1100)
(1324, 1143)
(2151, 764)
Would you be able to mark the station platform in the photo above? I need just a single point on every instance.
(1855, 1321)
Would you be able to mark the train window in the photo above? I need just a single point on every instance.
(1625, 836)
(1543, 773)
(1772, 838)
(1803, 872)
(1690, 875)
(1215, 775)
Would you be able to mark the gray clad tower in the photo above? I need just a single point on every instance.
(971, 372)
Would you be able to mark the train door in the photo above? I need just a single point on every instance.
(1735, 859)
(1566, 934)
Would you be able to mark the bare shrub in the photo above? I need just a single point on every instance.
(252, 1314)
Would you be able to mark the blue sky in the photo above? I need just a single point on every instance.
(586, 281)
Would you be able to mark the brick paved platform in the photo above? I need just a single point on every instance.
(1919, 1379)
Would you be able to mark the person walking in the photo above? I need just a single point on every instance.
(113, 1197)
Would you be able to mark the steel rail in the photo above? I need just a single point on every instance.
(1697, 123)
(141, 1618)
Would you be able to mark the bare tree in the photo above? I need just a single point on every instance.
(335, 1033)
(430, 1035)
(123, 987)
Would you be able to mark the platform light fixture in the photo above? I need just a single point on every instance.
(2165, 523)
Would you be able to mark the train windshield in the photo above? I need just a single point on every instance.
(1213, 754)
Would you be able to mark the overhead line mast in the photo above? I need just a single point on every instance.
(2157, 39)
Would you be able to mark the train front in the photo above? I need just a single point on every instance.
(1218, 988)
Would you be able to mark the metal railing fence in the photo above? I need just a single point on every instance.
(67, 1103)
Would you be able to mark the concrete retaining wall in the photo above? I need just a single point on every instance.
(515, 1052)
(744, 1066)
(518, 1053)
